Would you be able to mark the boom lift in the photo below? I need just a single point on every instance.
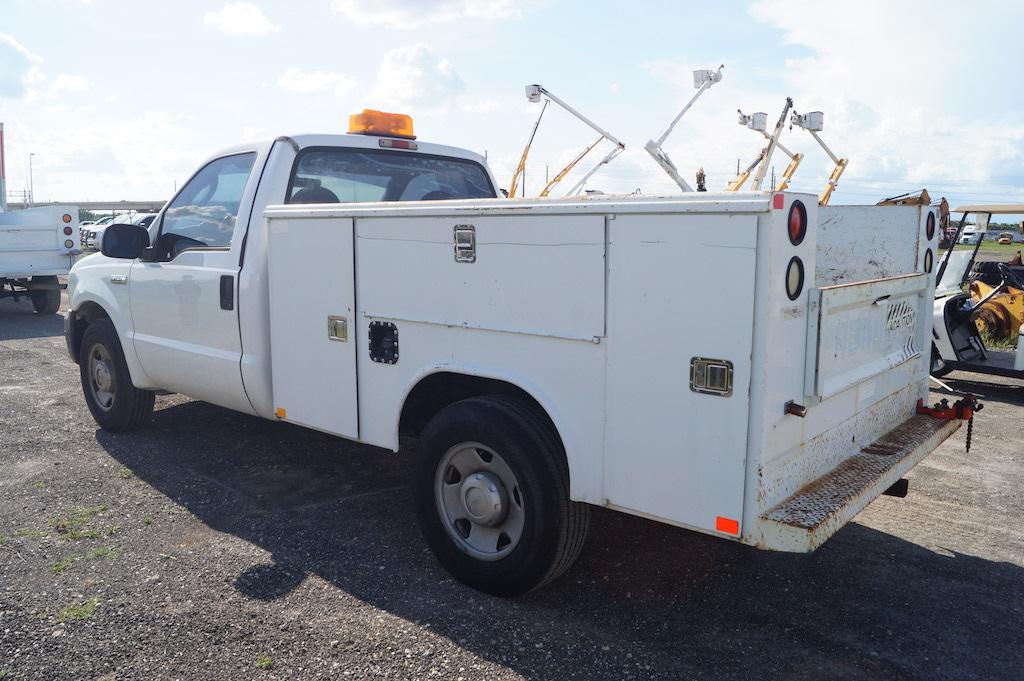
(759, 122)
(534, 93)
(813, 122)
(703, 79)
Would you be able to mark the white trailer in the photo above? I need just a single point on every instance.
(747, 365)
(36, 245)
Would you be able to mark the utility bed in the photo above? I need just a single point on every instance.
(706, 361)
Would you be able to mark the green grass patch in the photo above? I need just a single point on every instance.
(29, 533)
(264, 661)
(126, 473)
(78, 611)
(3, 540)
(39, 485)
(100, 552)
(999, 342)
(148, 520)
(63, 564)
(71, 526)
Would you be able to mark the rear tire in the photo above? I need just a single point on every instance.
(46, 300)
(116, 404)
(518, 528)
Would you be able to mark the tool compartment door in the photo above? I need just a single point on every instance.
(312, 304)
(680, 288)
(860, 330)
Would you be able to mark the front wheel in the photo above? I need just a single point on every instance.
(46, 300)
(115, 403)
(492, 496)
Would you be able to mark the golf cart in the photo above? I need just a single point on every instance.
(957, 339)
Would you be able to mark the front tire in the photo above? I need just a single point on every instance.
(46, 300)
(491, 487)
(116, 404)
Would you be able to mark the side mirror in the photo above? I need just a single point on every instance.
(124, 241)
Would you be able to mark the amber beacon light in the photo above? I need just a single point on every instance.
(371, 122)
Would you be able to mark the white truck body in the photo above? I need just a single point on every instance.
(34, 242)
(596, 308)
(36, 245)
(690, 374)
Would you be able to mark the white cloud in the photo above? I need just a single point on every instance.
(416, 80)
(305, 82)
(412, 13)
(69, 83)
(241, 18)
(16, 67)
(904, 106)
(481, 106)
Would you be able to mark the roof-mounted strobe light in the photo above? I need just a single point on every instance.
(814, 122)
(759, 122)
(702, 80)
(371, 122)
(534, 93)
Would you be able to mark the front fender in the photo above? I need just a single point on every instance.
(93, 289)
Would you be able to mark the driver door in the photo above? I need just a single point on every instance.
(184, 311)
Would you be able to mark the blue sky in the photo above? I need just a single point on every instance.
(122, 99)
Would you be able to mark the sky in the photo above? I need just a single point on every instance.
(121, 99)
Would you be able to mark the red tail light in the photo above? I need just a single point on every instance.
(67, 231)
(66, 218)
(797, 224)
(929, 226)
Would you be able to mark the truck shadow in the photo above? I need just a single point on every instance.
(645, 600)
(995, 389)
(18, 320)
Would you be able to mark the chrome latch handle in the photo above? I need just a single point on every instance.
(465, 243)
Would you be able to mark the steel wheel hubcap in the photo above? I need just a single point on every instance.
(101, 377)
(479, 501)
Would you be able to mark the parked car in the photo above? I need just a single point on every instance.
(95, 236)
(1005, 238)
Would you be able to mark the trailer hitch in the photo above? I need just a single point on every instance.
(963, 409)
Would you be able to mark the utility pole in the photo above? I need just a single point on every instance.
(31, 185)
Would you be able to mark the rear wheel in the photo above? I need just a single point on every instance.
(492, 496)
(46, 300)
(115, 403)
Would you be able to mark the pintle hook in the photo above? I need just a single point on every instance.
(964, 409)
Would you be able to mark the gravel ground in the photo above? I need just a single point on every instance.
(213, 545)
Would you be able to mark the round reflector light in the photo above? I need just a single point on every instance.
(794, 278)
(928, 261)
(929, 227)
(68, 243)
(66, 218)
(797, 224)
(67, 231)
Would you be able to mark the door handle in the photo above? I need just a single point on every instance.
(227, 292)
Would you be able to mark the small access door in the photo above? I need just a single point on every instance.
(312, 303)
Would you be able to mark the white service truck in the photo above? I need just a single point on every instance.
(749, 366)
(36, 245)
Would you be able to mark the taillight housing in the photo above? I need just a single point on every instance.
(929, 226)
(68, 231)
(796, 224)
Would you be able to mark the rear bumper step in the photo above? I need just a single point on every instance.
(805, 520)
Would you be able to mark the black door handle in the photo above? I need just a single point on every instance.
(227, 292)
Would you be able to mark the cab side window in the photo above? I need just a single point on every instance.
(203, 215)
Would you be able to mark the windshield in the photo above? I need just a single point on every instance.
(953, 276)
(346, 175)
